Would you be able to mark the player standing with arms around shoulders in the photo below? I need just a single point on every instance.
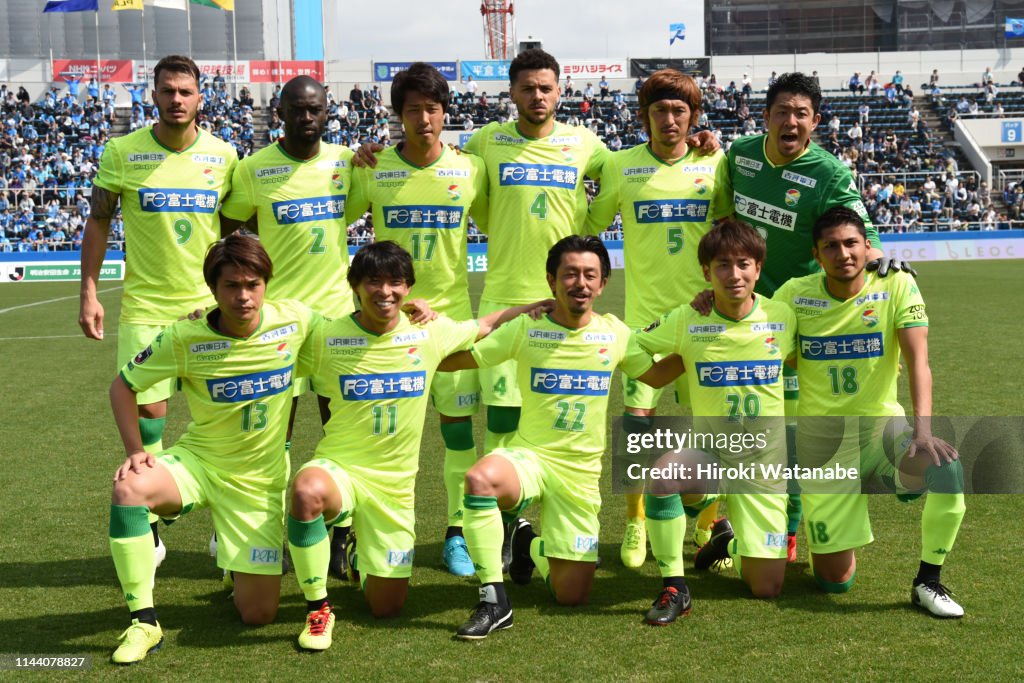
(669, 195)
(170, 179)
(422, 194)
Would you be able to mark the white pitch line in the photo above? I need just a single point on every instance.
(50, 301)
(56, 336)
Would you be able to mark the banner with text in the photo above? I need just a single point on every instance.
(595, 68)
(693, 66)
(110, 71)
(210, 67)
(55, 271)
(485, 70)
(272, 71)
(385, 71)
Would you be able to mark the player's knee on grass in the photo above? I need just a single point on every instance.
(571, 581)
(764, 576)
(256, 597)
(835, 572)
(385, 596)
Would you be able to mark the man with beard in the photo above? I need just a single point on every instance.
(170, 178)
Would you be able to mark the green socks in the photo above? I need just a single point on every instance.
(459, 456)
(940, 522)
(484, 532)
(131, 546)
(666, 529)
(539, 561)
(310, 549)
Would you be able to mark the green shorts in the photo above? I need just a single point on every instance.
(569, 504)
(498, 384)
(386, 530)
(248, 513)
(759, 521)
(131, 339)
(636, 394)
(456, 394)
(836, 522)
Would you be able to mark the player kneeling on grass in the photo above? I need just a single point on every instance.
(376, 367)
(854, 325)
(566, 361)
(236, 365)
(733, 360)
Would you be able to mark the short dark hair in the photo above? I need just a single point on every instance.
(420, 78)
(381, 259)
(531, 60)
(731, 236)
(833, 218)
(239, 250)
(577, 244)
(794, 83)
(179, 64)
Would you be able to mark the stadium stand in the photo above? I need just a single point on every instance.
(911, 172)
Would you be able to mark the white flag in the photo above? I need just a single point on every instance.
(167, 4)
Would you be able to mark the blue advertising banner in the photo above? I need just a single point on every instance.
(486, 70)
(385, 71)
(1014, 28)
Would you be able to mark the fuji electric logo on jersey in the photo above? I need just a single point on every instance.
(424, 216)
(311, 209)
(541, 175)
(671, 210)
(842, 347)
(739, 373)
(177, 200)
(249, 387)
(573, 382)
(383, 386)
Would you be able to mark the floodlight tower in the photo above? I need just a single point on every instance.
(499, 29)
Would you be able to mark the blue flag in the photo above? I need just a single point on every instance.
(676, 32)
(72, 6)
(1014, 28)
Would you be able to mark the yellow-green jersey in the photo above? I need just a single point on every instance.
(169, 203)
(300, 209)
(783, 202)
(564, 375)
(379, 386)
(848, 351)
(426, 210)
(733, 367)
(239, 391)
(537, 197)
(666, 209)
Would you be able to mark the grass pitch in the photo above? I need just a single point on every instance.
(58, 591)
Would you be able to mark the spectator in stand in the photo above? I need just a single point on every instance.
(897, 80)
(987, 76)
(748, 87)
(771, 79)
(872, 84)
(855, 85)
(604, 86)
(864, 112)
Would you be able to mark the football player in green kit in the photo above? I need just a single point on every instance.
(422, 194)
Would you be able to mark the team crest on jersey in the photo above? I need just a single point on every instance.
(869, 317)
(209, 176)
(567, 154)
(700, 185)
(283, 351)
(337, 181)
(792, 196)
(453, 193)
(771, 345)
(414, 355)
(602, 354)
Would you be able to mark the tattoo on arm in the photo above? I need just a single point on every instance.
(103, 204)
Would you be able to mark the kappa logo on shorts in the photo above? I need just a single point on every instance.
(774, 540)
(400, 558)
(585, 544)
(264, 555)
